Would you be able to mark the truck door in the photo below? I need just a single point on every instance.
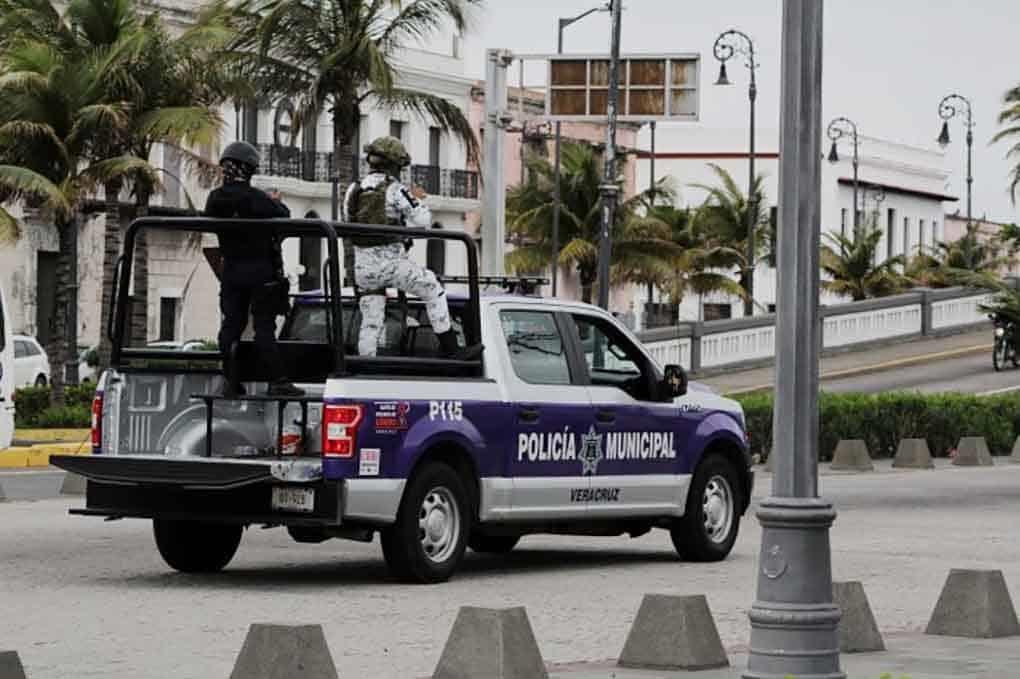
(6, 377)
(551, 418)
(642, 438)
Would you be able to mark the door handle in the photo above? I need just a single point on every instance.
(528, 414)
(605, 416)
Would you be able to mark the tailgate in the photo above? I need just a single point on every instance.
(241, 491)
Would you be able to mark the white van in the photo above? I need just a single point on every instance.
(6, 375)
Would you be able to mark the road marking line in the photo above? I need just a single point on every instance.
(1004, 390)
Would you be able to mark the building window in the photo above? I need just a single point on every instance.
(283, 129)
(715, 312)
(890, 231)
(906, 236)
(934, 233)
(435, 139)
(250, 123)
(920, 235)
(397, 129)
(167, 318)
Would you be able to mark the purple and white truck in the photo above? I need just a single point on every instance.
(565, 426)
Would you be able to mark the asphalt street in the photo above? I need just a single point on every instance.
(972, 374)
(86, 598)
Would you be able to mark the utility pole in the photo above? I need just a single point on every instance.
(794, 622)
(609, 188)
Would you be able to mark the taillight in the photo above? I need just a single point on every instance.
(340, 428)
(97, 423)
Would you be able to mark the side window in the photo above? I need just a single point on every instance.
(612, 360)
(32, 349)
(20, 349)
(536, 348)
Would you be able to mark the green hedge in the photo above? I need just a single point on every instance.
(32, 407)
(882, 420)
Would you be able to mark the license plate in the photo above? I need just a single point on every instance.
(292, 499)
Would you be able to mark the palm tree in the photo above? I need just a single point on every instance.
(530, 208)
(335, 55)
(850, 264)
(55, 110)
(724, 217)
(966, 261)
(1010, 117)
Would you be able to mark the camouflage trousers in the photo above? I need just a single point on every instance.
(388, 266)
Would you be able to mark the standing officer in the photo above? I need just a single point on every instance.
(382, 261)
(252, 277)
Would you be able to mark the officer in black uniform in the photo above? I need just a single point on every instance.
(252, 277)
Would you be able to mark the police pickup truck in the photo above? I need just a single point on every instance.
(566, 425)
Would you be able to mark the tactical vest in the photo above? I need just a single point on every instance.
(368, 206)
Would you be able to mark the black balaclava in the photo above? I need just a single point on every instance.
(236, 172)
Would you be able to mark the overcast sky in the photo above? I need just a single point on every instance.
(887, 64)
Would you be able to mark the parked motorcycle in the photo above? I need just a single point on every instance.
(1004, 348)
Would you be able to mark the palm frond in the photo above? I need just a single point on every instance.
(20, 182)
(445, 114)
(10, 228)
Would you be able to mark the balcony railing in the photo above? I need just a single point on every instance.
(316, 166)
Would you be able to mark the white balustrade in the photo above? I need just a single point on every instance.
(951, 313)
(672, 351)
(867, 326)
(738, 346)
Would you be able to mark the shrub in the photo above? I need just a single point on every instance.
(70, 417)
(31, 402)
(882, 420)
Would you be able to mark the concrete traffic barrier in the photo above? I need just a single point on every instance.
(494, 643)
(972, 451)
(858, 632)
(673, 633)
(73, 484)
(284, 652)
(974, 604)
(1015, 457)
(913, 454)
(10, 666)
(851, 455)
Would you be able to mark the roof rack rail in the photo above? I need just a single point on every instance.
(523, 285)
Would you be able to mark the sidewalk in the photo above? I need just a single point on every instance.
(915, 655)
(864, 361)
(33, 447)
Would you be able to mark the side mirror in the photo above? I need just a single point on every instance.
(674, 382)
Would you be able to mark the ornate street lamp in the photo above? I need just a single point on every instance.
(839, 128)
(952, 105)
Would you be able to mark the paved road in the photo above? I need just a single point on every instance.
(87, 598)
(971, 374)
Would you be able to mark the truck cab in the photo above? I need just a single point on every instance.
(566, 425)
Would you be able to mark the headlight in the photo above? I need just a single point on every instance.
(999, 332)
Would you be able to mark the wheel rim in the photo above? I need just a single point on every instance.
(717, 509)
(439, 524)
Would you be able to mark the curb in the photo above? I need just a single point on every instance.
(52, 435)
(39, 455)
(878, 367)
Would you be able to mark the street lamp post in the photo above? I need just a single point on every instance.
(726, 45)
(837, 129)
(948, 109)
(794, 622)
(610, 189)
(563, 23)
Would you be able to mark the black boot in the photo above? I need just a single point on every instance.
(451, 349)
(232, 386)
(282, 387)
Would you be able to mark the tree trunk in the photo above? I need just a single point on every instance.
(344, 154)
(140, 267)
(745, 283)
(112, 237)
(70, 364)
(587, 286)
(64, 318)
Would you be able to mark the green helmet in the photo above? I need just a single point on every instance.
(242, 152)
(387, 152)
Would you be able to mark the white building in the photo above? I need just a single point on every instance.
(902, 187)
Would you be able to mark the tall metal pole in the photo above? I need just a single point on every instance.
(949, 107)
(496, 120)
(793, 618)
(554, 265)
(609, 188)
(651, 162)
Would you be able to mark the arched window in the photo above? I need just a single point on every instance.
(283, 124)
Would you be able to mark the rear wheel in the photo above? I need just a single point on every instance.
(710, 523)
(196, 546)
(999, 352)
(427, 542)
(493, 544)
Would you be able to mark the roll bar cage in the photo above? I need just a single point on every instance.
(332, 232)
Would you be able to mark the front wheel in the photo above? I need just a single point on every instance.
(999, 352)
(710, 523)
(196, 546)
(428, 539)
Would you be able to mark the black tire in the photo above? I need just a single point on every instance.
(493, 544)
(999, 354)
(196, 546)
(40, 381)
(435, 496)
(694, 537)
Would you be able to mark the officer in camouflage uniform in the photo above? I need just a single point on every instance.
(382, 261)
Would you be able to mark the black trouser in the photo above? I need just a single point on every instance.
(250, 286)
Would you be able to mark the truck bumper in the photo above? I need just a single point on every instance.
(200, 489)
